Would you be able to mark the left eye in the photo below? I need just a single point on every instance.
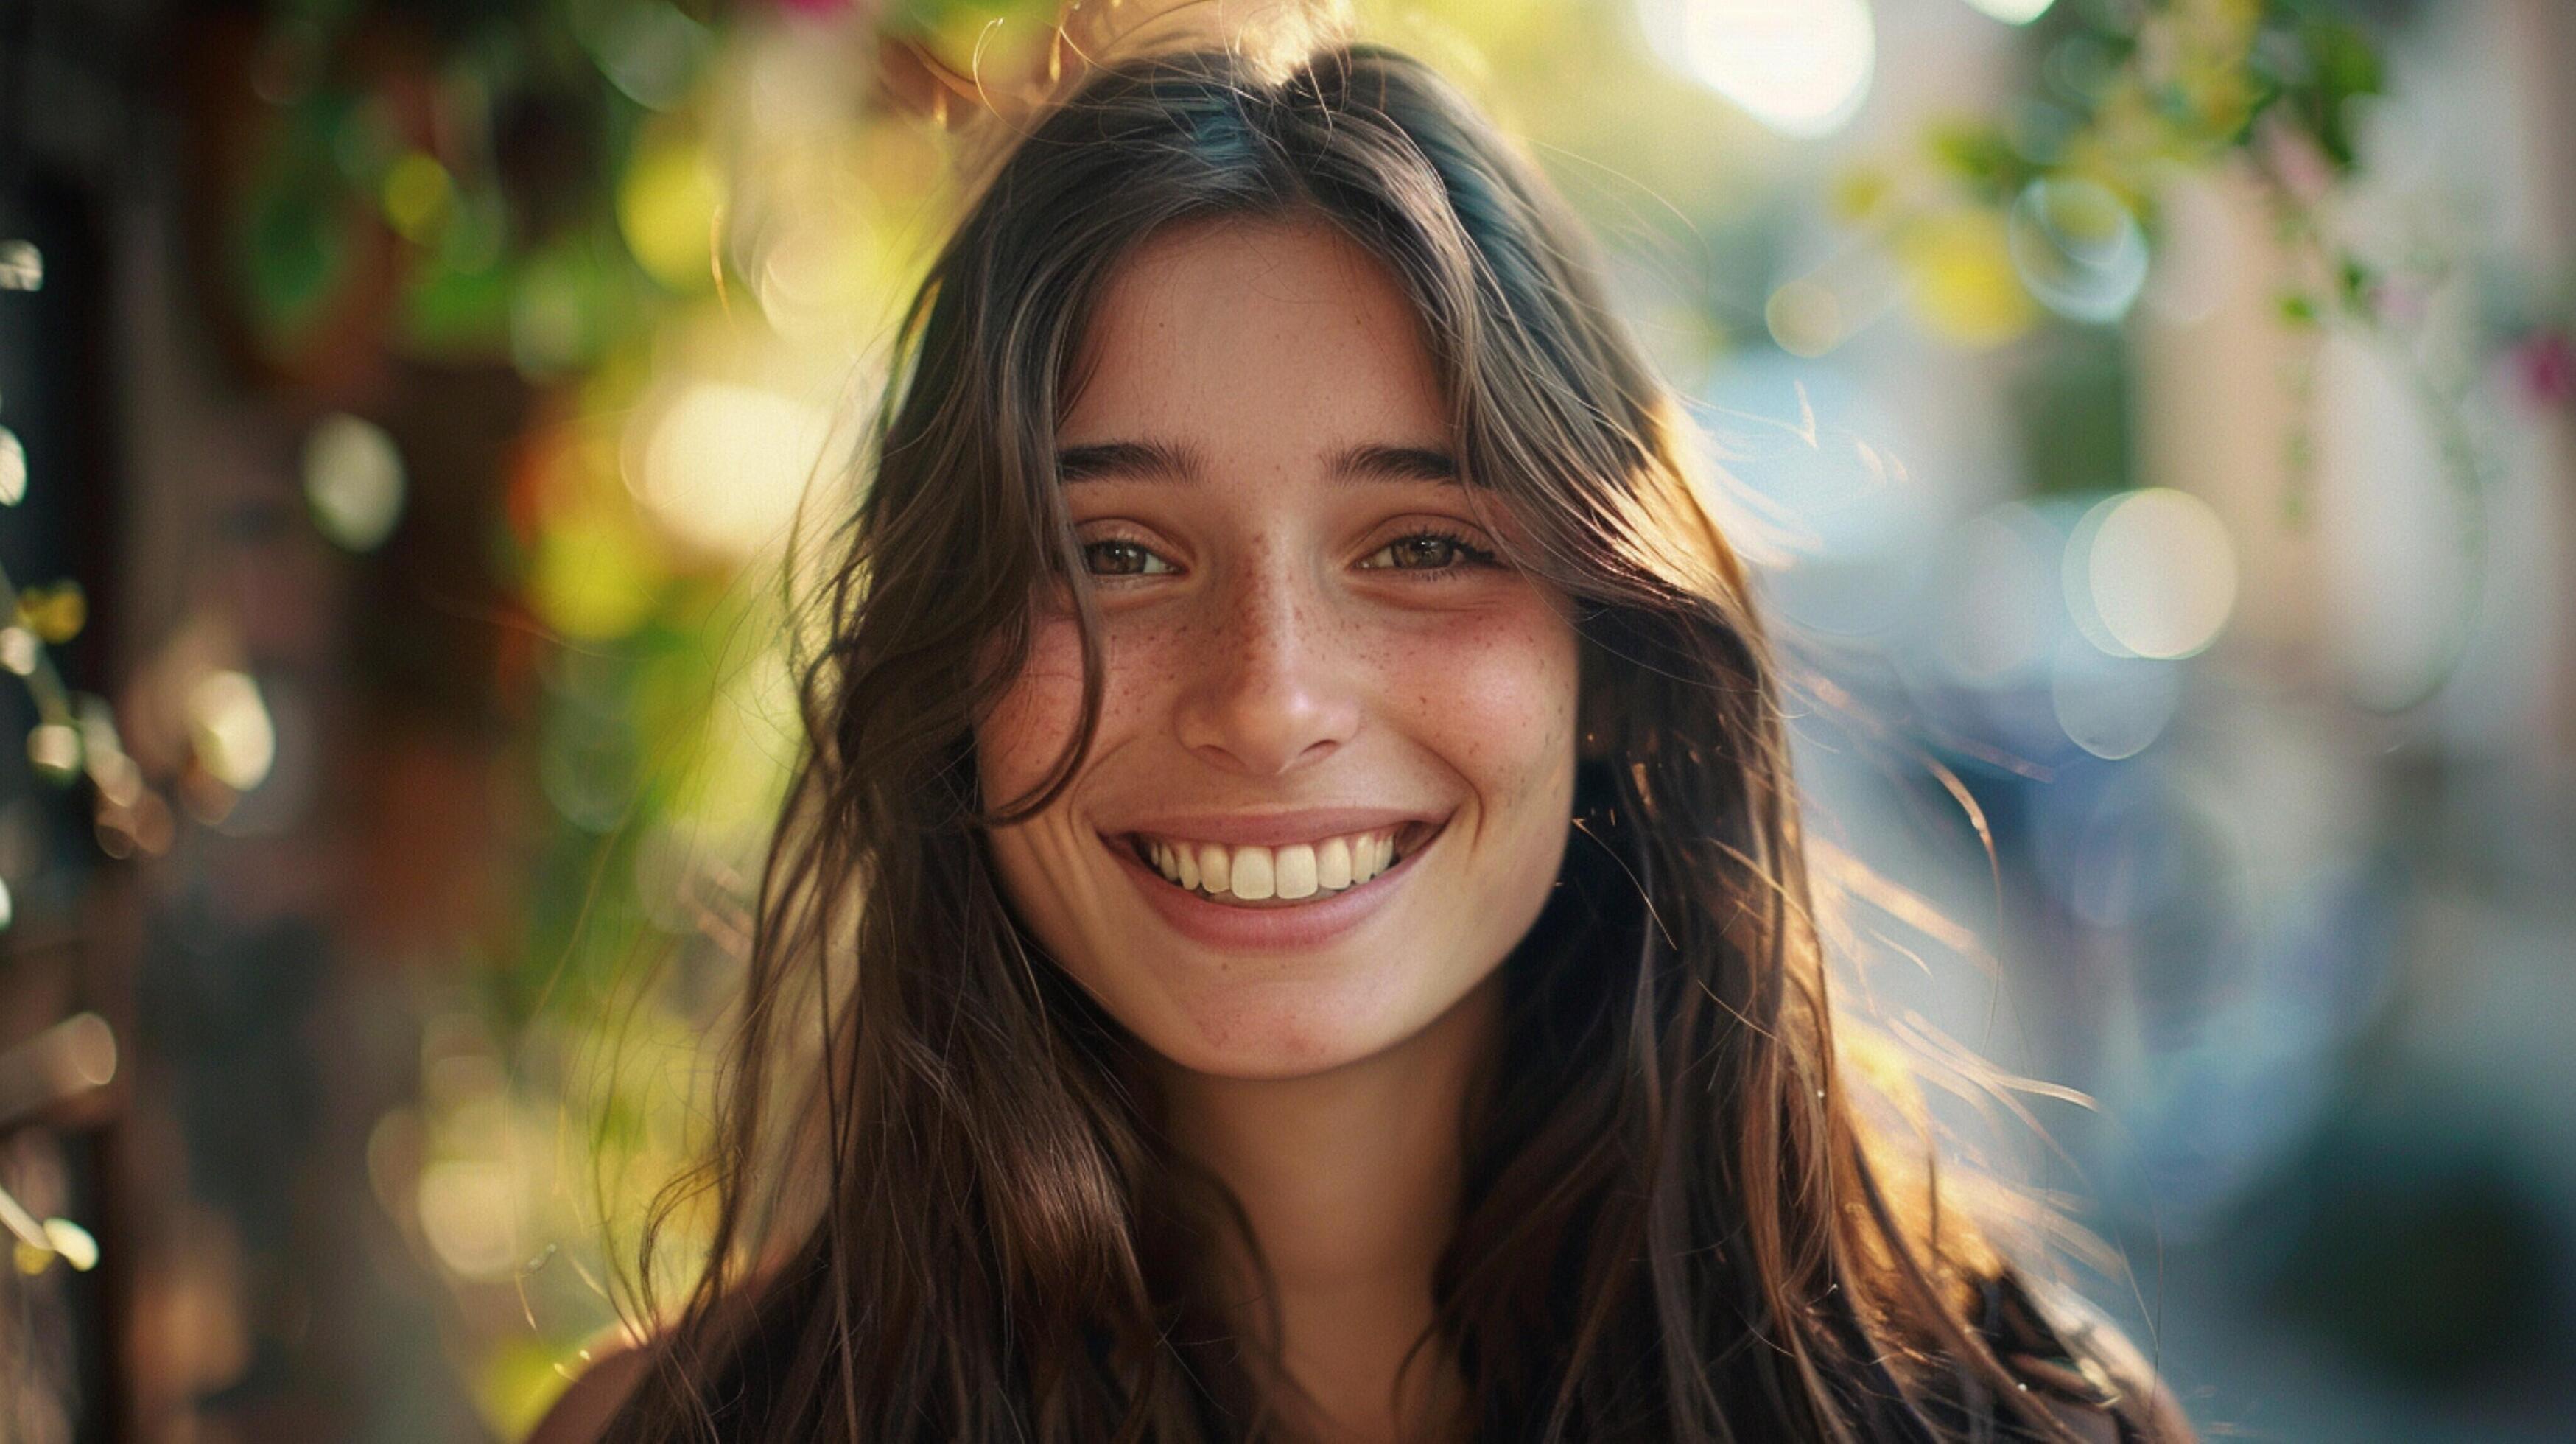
(1123, 559)
(1426, 552)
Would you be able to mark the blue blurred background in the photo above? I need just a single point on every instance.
(2155, 421)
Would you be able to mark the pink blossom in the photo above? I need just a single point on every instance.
(2544, 362)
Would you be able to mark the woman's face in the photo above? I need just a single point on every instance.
(1335, 764)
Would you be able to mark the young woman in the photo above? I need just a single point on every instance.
(1291, 922)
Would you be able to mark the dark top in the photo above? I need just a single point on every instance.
(2092, 1380)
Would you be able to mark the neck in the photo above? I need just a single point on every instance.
(1350, 1180)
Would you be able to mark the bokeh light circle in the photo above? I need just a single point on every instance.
(13, 468)
(1805, 318)
(353, 481)
(2014, 12)
(2078, 248)
(2151, 573)
(233, 737)
(723, 465)
(1801, 69)
(2112, 707)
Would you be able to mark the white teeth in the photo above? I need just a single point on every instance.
(1333, 863)
(1296, 871)
(1291, 873)
(1365, 855)
(1252, 877)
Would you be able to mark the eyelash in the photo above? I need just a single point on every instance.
(1468, 555)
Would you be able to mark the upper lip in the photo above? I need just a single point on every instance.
(1274, 829)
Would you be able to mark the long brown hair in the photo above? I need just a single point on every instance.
(944, 1207)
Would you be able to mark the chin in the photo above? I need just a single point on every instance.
(1267, 1030)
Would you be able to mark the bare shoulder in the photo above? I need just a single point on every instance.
(584, 1409)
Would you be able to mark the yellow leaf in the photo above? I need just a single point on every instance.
(55, 613)
(666, 208)
(1961, 285)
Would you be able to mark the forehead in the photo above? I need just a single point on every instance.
(1251, 339)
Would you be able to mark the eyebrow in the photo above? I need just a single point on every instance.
(1143, 460)
(1168, 461)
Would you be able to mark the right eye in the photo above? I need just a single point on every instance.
(1117, 557)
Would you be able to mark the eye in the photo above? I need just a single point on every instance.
(1117, 557)
(1429, 551)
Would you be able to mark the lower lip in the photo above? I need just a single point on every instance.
(1265, 930)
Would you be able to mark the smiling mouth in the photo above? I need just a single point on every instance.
(1285, 876)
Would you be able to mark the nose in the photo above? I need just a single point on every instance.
(1270, 691)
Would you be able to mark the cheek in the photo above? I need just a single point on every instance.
(1495, 697)
(1035, 718)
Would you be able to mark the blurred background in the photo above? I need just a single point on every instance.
(2155, 419)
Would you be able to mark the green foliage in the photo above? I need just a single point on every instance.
(1982, 157)
(2316, 65)
(532, 113)
(2127, 96)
